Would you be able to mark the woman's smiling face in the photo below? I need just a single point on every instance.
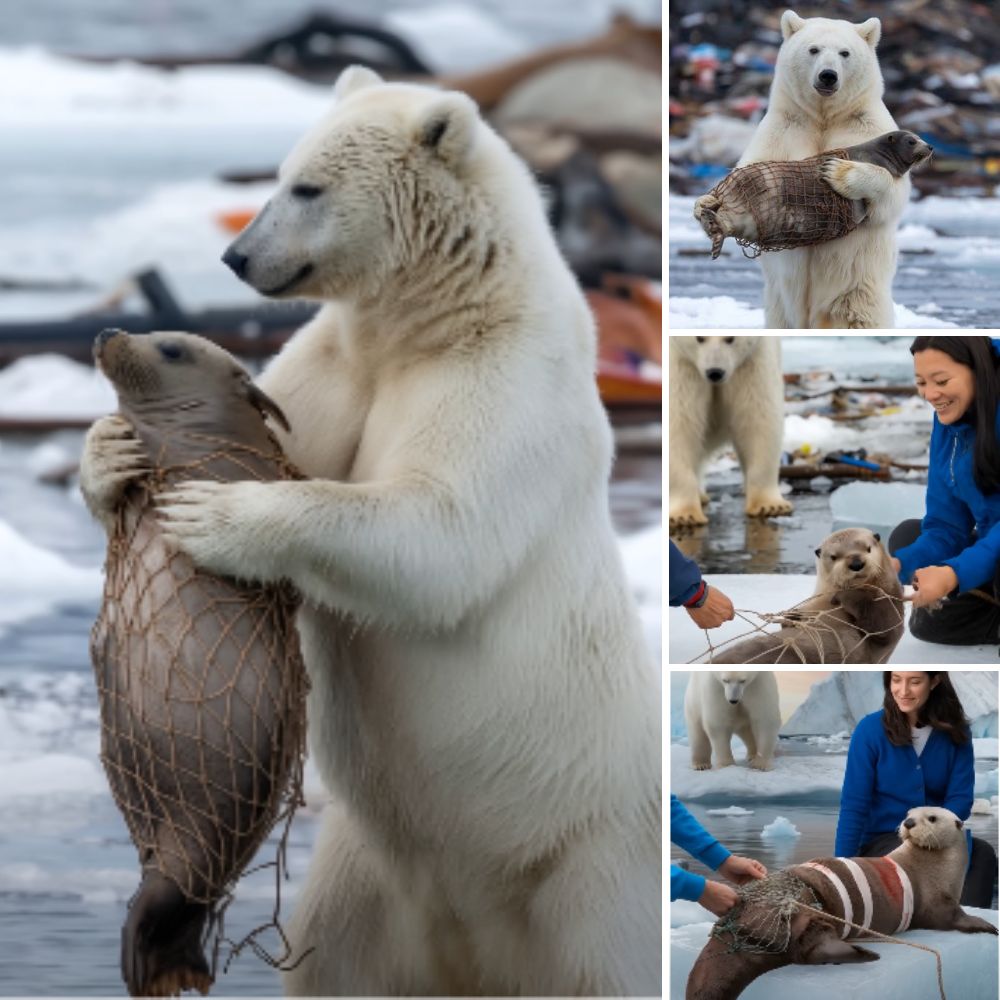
(911, 691)
(948, 386)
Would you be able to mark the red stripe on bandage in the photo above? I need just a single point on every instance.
(887, 875)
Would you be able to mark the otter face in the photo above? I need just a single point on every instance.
(908, 147)
(930, 827)
(849, 554)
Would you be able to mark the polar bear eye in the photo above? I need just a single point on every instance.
(306, 191)
(844, 53)
(813, 50)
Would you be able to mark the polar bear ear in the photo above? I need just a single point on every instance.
(790, 23)
(353, 79)
(870, 31)
(448, 127)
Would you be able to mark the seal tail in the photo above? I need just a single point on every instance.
(720, 974)
(162, 951)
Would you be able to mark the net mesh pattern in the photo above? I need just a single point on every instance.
(761, 920)
(790, 203)
(202, 689)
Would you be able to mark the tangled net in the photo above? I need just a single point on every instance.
(202, 692)
(813, 635)
(790, 203)
(761, 920)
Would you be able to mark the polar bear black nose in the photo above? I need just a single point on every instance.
(715, 374)
(909, 823)
(236, 261)
(827, 77)
(857, 564)
(734, 701)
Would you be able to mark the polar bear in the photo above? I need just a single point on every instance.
(719, 703)
(484, 711)
(827, 94)
(725, 389)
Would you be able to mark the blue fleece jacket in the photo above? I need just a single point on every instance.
(684, 577)
(883, 782)
(686, 832)
(955, 505)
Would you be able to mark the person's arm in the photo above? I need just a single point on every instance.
(977, 563)
(948, 522)
(685, 885)
(684, 578)
(858, 790)
(961, 781)
(686, 832)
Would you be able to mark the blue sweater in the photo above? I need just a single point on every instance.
(686, 832)
(954, 507)
(883, 782)
(684, 577)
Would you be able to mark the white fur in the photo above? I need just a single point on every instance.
(720, 703)
(845, 282)
(483, 707)
(746, 408)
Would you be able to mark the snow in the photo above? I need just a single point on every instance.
(49, 385)
(969, 963)
(642, 556)
(780, 829)
(34, 580)
(879, 505)
(772, 592)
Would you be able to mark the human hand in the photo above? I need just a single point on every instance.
(716, 610)
(932, 583)
(718, 898)
(740, 870)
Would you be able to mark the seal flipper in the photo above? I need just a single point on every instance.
(830, 950)
(162, 950)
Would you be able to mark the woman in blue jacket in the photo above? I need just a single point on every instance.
(915, 751)
(954, 551)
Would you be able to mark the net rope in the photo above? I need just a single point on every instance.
(202, 694)
(815, 631)
(790, 203)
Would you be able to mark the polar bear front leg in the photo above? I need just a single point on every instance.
(721, 738)
(701, 747)
(863, 182)
(759, 453)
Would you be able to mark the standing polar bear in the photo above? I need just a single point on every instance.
(719, 704)
(827, 94)
(721, 390)
(484, 710)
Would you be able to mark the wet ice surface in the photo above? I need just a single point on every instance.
(948, 272)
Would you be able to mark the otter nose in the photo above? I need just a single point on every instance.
(857, 564)
(909, 823)
(827, 77)
(715, 374)
(236, 261)
(105, 335)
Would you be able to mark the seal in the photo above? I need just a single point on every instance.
(200, 680)
(778, 205)
(854, 616)
(917, 886)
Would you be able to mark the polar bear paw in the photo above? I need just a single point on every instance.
(761, 763)
(689, 516)
(701, 765)
(845, 178)
(767, 505)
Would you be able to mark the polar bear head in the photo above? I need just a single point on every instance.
(394, 178)
(715, 358)
(734, 685)
(826, 63)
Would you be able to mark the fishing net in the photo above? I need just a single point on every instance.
(790, 204)
(761, 920)
(201, 686)
(818, 635)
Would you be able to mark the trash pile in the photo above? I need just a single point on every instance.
(940, 60)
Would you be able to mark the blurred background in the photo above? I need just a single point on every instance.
(941, 65)
(138, 137)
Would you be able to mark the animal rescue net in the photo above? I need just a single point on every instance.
(202, 692)
(761, 920)
(790, 203)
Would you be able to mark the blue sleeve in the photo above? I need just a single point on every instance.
(686, 832)
(961, 782)
(685, 885)
(858, 791)
(977, 563)
(948, 522)
(684, 577)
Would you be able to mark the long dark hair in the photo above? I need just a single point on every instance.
(978, 354)
(942, 710)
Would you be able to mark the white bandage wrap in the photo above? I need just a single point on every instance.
(904, 881)
(864, 889)
(845, 899)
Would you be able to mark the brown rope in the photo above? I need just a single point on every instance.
(202, 692)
